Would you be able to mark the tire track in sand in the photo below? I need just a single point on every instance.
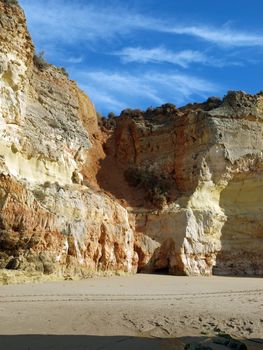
(82, 297)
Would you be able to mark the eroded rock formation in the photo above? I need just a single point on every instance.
(50, 221)
(169, 189)
(212, 154)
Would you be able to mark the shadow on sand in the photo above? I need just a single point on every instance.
(79, 342)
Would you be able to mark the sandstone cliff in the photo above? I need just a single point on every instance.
(211, 214)
(50, 221)
(169, 189)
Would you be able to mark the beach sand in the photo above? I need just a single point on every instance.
(138, 312)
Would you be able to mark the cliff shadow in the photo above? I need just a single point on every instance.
(110, 177)
(130, 170)
(242, 233)
(82, 342)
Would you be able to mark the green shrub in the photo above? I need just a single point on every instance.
(111, 115)
(39, 61)
(64, 72)
(165, 109)
(11, 2)
(108, 123)
(132, 113)
(156, 186)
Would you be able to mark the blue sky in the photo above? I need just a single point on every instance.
(141, 53)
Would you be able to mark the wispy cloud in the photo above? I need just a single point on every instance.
(121, 90)
(162, 55)
(74, 60)
(104, 99)
(224, 35)
(126, 84)
(81, 22)
(63, 21)
(88, 36)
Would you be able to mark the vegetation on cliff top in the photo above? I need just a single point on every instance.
(10, 2)
(41, 63)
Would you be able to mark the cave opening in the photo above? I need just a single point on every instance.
(161, 271)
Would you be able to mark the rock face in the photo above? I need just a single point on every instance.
(50, 221)
(176, 190)
(212, 154)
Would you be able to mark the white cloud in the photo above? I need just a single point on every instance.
(70, 22)
(160, 55)
(125, 84)
(117, 91)
(67, 22)
(220, 36)
(60, 26)
(74, 60)
(102, 97)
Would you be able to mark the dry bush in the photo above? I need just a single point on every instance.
(39, 61)
(11, 2)
(156, 186)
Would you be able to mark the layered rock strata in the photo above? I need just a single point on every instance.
(212, 154)
(50, 221)
(175, 190)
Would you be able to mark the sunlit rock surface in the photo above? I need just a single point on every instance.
(50, 222)
(212, 154)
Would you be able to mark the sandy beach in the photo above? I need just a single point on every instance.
(139, 312)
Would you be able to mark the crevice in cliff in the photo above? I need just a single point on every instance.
(133, 144)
